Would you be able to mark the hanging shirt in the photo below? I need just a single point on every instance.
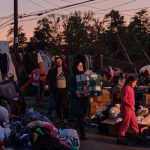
(61, 80)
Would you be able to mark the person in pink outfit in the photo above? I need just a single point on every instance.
(127, 109)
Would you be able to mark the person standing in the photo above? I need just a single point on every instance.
(128, 110)
(78, 99)
(121, 81)
(56, 82)
(36, 81)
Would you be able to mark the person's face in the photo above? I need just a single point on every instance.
(133, 84)
(80, 67)
(41, 65)
(59, 62)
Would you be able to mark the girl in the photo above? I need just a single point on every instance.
(127, 108)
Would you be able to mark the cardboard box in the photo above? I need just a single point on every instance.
(92, 108)
(105, 97)
(114, 128)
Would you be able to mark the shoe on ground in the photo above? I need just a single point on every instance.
(122, 141)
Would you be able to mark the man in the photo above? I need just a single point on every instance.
(56, 81)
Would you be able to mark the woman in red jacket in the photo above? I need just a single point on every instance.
(128, 111)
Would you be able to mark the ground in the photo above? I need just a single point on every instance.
(101, 142)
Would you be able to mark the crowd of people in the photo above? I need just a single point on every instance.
(69, 101)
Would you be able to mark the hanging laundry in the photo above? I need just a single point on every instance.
(39, 57)
(11, 70)
(47, 59)
(3, 63)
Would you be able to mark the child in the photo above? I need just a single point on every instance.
(127, 109)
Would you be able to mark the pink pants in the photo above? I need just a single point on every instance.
(129, 118)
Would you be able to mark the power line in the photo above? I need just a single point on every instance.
(6, 25)
(51, 3)
(82, 4)
(51, 10)
(126, 10)
(36, 4)
(6, 22)
(6, 17)
(116, 6)
(91, 3)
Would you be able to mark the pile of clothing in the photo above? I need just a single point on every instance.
(35, 131)
(143, 115)
(115, 113)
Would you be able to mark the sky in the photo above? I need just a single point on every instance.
(100, 7)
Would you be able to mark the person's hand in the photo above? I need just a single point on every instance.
(78, 94)
(46, 87)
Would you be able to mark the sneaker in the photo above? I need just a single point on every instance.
(122, 141)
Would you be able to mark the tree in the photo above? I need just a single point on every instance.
(138, 32)
(140, 24)
(115, 24)
(48, 34)
(74, 32)
(21, 38)
(41, 37)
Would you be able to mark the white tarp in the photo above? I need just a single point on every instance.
(4, 47)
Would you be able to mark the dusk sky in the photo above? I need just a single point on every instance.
(97, 6)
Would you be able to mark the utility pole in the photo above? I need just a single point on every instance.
(15, 25)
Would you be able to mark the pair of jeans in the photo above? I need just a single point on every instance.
(61, 99)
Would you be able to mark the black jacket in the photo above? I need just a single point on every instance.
(51, 77)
